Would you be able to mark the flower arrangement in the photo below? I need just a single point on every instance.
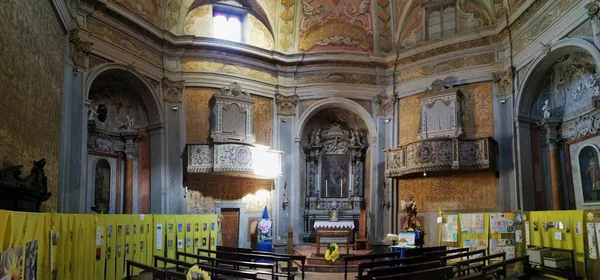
(332, 253)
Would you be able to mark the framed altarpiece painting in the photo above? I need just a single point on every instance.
(583, 171)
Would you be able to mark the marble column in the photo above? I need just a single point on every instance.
(549, 125)
(130, 139)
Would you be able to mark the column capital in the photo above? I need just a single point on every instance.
(131, 140)
(503, 83)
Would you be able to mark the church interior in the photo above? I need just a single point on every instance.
(317, 139)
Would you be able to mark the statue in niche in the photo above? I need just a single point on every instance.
(315, 138)
(546, 109)
(129, 122)
(92, 112)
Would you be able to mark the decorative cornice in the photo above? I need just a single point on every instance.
(79, 49)
(503, 83)
(286, 105)
(172, 90)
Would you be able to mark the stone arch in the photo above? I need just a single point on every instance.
(151, 101)
(524, 126)
(336, 102)
(526, 94)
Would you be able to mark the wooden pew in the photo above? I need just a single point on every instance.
(370, 257)
(445, 259)
(157, 274)
(300, 258)
(498, 270)
(253, 257)
(395, 270)
(465, 267)
(215, 272)
(236, 264)
(439, 273)
(436, 255)
(366, 266)
(421, 251)
(476, 276)
(174, 275)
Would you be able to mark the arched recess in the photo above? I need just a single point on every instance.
(336, 102)
(125, 126)
(371, 183)
(526, 123)
(253, 7)
(151, 101)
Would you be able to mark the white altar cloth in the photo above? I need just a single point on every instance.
(330, 224)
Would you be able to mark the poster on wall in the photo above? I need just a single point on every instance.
(474, 245)
(10, 263)
(471, 223)
(502, 222)
(54, 239)
(593, 253)
(31, 256)
(526, 233)
(597, 236)
(450, 229)
(503, 245)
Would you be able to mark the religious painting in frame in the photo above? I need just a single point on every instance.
(583, 169)
(335, 175)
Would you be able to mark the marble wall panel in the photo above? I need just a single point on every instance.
(197, 114)
(458, 192)
(263, 120)
(31, 74)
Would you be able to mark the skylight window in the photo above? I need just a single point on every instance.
(227, 26)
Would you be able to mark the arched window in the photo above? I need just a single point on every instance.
(102, 185)
(227, 26)
(441, 21)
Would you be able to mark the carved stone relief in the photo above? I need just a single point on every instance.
(503, 83)
(172, 90)
(232, 113)
(385, 104)
(79, 49)
(583, 126)
(440, 112)
(286, 105)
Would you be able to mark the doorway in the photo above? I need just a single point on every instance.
(230, 226)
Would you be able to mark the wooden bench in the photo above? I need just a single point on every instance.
(366, 266)
(476, 276)
(436, 255)
(370, 257)
(467, 255)
(174, 275)
(157, 274)
(252, 257)
(465, 267)
(300, 258)
(383, 271)
(439, 273)
(498, 270)
(215, 272)
(421, 251)
(235, 264)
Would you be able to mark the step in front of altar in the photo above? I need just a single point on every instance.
(325, 241)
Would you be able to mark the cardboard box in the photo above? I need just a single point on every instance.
(557, 262)
(537, 255)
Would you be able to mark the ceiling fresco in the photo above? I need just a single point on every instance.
(322, 25)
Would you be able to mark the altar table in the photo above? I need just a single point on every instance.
(334, 229)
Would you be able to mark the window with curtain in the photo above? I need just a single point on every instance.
(227, 26)
(441, 21)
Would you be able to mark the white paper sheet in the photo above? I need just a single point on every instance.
(578, 229)
(159, 236)
(519, 236)
(526, 233)
(593, 253)
(99, 240)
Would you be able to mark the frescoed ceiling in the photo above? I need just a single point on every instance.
(324, 25)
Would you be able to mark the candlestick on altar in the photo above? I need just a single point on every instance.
(326, 189)
(341, 187)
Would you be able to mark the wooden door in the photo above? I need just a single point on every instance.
(230, 226)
